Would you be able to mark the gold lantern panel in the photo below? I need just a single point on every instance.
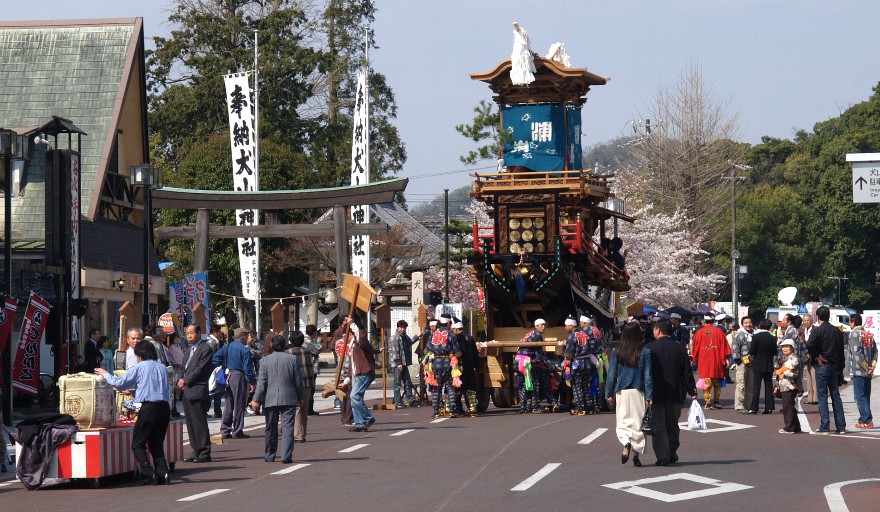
(527, 232)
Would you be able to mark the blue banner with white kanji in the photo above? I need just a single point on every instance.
(535, 136)
(574, 138)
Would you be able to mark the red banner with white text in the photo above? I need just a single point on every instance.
(26, 370)
(7, 318)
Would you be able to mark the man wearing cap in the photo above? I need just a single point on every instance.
(680, 333)
(442, 346)
(469, 369)
(710, 354)
(578, 367)
(534, 373)
(740, 349)
(242, 380)
(400, 357)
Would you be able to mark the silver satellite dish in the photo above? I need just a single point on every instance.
(786, 295)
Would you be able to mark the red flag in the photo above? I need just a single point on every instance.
(26, 370)
(7, 318)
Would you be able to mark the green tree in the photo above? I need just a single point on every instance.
(801, 225)
(484, 131)
(460, 242)
(303, 47)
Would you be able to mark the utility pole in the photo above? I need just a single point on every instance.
(446, 214)
(734, 254)
(839, 279)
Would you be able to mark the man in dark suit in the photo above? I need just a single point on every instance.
(195, 394)
(92, 356)
(762, 351)
(280, 389)
(673, 380)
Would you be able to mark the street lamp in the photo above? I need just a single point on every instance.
(616, 205)
(148, 177)
(6, 137)
(734, 254)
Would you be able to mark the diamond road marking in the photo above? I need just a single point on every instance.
(715, 487)
(730, 426)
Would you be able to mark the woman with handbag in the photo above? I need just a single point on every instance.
(629, 384)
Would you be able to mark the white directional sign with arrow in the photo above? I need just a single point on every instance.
(866, 177)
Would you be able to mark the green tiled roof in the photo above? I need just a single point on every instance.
(70, 69)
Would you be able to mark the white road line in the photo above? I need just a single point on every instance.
(439, 420)
(203, 495)
(532, 480)
(291, 469)
(353, 448)
(4, 484)
(404, 431)
(835, 498)
(592, 437)
(802, 417)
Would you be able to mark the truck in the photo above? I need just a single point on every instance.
(542, 255)
(839, 314)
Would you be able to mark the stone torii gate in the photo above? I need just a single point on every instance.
(337, 198)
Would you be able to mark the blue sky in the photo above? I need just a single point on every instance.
(782, 65)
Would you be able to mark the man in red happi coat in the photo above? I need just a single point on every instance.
(711, 351)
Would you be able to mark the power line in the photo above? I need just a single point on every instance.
(446, 173)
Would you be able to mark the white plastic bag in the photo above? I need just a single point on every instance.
(696, 418)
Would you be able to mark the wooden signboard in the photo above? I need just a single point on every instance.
(126, 316)
(277, 312)
(383, 317)
(199, 315)
(353, 285)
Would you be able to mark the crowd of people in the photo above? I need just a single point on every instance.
(643, 367)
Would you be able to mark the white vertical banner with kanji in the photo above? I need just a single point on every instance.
(417, 298)
(360, 175)
(244, 174)
(871, 322)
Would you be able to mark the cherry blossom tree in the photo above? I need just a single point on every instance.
(462, 287)
(664, 258)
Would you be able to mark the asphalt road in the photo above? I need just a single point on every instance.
(506, 461)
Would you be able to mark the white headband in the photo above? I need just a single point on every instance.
(540, 321)
(458, 325)
(571, 322)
